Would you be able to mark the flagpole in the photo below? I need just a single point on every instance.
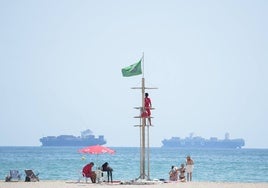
(142, 149)
(143, 65)
(145, 151)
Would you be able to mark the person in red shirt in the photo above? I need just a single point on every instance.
(89, 173)
(147, 106)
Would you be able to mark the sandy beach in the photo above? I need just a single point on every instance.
(69, 184)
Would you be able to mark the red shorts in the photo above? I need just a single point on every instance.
(146, 113)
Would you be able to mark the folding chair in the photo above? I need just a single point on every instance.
(13, 175)
(30, 176)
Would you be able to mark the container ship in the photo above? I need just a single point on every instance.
(199, 142)
(86, 139)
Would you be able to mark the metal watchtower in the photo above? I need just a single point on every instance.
(144, 128)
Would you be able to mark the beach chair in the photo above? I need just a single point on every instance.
(99, 176)
(30, 176)
(81, 176)
(14, 175)
(90, 178)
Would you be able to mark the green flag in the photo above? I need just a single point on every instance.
(132, 70)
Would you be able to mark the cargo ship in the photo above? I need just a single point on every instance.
(86, 139)
(199, 142)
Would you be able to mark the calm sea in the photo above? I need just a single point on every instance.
(65, 163)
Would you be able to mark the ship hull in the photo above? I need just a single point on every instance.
(203, 143)
(72, 143)
(70, 140)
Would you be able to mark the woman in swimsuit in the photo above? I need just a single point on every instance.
(189, 168)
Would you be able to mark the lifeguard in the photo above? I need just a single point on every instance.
(147, 105)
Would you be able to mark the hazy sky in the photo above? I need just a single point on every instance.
(60, 69)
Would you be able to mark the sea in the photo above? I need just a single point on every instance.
(65, 163)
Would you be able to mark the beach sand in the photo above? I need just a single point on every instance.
(66, 184)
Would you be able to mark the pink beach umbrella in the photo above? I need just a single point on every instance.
(97, 149)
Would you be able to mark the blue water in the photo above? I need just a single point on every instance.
(65, 163)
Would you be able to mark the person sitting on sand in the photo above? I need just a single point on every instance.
(89, 173)
(173, 174)
(182, 173)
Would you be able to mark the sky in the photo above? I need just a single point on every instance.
(61, 61)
